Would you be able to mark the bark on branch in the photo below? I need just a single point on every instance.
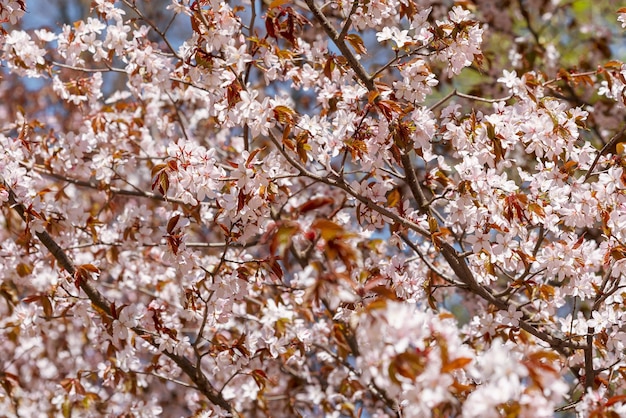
(200, 381)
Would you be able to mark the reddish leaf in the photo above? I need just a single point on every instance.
(90, 268)
(275, 269)
(253, 154)
(270, 26)
(277, 3)
(455, 364)
(357, 43)
(328, 229)
(618, 398)
(315, 203)
(158, 168)
(613, 65)
(172, 223)
(283, 237)
(23, 269)
(47, 306)
(284, 114)
(372, 96)
(408, 365)
(260, 377)
(393, 198)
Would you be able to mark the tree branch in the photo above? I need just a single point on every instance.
(338, 40)
(412, 182)
(201, 382)
(111, 189)
(454, 259)
(589, 371)
(456, 262)
(612, 142)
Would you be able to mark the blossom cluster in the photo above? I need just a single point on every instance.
(381, 208)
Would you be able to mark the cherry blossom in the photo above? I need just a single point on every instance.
(397, 208)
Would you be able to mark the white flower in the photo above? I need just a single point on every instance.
(23, 53)
(11, 11)
(458, 14)
(180, 6)
(401, 38)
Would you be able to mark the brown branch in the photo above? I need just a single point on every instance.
(533, 32)
(482, 99)
(111, 189)
(335, 181)
(154, 27)
(461, 269)
(348, 22)
(614, 140)
(442, 100)
(378, 391)
(434, 269)
(589, 371)
(412, 182)
(453, 258)
(338, 40)
(201, 382)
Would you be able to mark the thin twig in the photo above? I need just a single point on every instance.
(434, 269)
(348, 22)
(614, 140)
(589, 371)
(339, 41)
(379, 392)
(154, 27)
(482, 99)
(413, 183)
(85, 282)
(113, 190)
(443, 100)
